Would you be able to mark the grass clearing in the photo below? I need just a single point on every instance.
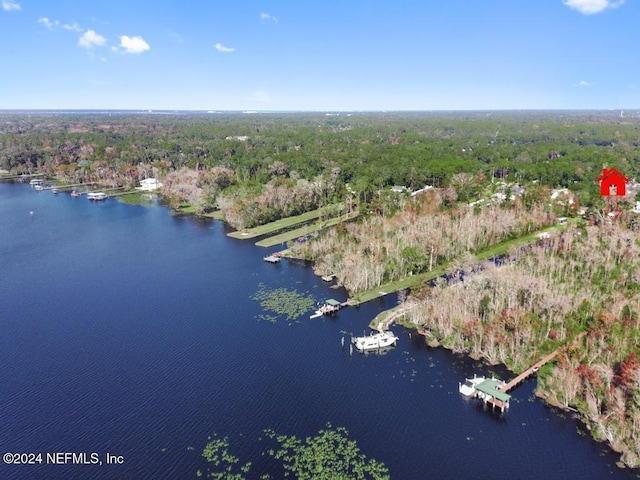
(301, 231)
(282, 223)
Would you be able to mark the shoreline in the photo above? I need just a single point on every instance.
(433, 342)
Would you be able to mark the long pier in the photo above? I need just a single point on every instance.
(530, 371)
(64, 187)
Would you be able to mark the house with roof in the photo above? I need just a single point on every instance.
(149, 184)
(612, 183)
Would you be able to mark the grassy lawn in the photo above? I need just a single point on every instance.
(216, 215)
(503, 247)
(299, 232)
(280, 224)
(400, 284)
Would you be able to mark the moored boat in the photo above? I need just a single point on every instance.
(96, 196)
(375, 341)
(468, 387)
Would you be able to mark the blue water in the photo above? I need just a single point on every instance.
(124, 330)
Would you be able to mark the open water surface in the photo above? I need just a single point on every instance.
(124, 330)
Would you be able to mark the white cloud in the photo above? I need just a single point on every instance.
(590, 7)
(223, 49)
(133, 45)
(74, 27)
(10, 5)
(90, 39)
(583, 83)
(54, 24)
(265, 16)
(48, 23)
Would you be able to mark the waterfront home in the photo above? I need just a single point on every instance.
(422, 190)
(149, 184)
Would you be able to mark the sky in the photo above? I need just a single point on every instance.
(329, 55)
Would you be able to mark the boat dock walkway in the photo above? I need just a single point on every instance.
(530, 371)
(64, 187)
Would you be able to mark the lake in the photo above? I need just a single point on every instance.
(127, 331)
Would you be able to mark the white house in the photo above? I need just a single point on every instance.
(149, 184)
(426, 187)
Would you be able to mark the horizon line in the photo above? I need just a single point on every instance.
(329, 111)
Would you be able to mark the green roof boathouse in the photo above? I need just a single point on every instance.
(489, 391)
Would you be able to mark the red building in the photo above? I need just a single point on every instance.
(612, 183)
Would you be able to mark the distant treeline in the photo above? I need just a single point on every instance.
(365, 150)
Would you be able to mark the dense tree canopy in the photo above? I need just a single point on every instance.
(368, 150)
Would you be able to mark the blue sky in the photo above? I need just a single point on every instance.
(321, 55)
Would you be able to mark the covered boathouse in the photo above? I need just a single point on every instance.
(489, 391)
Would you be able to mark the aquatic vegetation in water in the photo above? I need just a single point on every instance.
(224, 465)
(328, 455)
(282, 302)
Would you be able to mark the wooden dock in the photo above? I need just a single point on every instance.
(65, 187)
(530, 371)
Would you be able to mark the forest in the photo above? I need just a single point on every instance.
(586, 279)
(256, 168)
(490, 178)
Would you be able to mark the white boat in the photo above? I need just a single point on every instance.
(36, 181)
(375, 341)
(468, 387)
(96, 196)
(38, 187)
